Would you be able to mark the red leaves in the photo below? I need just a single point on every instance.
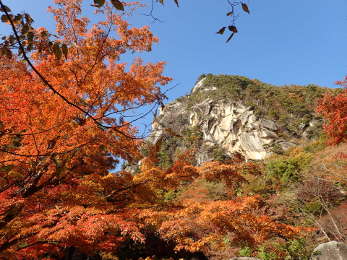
(204, 225)
(196, 220)
(333, 108)
(54, 158)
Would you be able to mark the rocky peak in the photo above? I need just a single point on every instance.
(225, 115)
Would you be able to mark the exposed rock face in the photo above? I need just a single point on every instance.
(229, 123)
(330, 251)
(234, 127)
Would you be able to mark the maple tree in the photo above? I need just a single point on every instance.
(24, 37)
(63, 126)
(333, 108)
(197, 222)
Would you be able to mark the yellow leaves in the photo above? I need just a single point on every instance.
(90, 185)
(202, 225)
(15, 174)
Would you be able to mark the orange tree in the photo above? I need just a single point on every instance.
(333, 108)
(196, 221)
(63, 108)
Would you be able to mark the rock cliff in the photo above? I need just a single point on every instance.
(224, 115)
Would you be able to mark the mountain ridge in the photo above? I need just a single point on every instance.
(226, 114)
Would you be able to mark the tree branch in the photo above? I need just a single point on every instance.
(46, 82)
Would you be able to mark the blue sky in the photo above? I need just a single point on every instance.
(280, 42)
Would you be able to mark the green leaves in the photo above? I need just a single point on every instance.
(118, 5)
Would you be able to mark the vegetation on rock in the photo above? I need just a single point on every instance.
(63, 131)
(291, 106)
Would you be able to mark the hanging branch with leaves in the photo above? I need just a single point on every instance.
(234, 15)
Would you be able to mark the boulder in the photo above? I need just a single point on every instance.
(330, 251)
(269, 124)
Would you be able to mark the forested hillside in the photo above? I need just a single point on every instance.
(236, 168)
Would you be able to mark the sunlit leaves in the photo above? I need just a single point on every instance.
(333, 108)
(61, 158)
(210, 221)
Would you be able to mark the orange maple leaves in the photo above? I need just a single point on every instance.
(333, 108)
(90, 77)
(56, 154)
(197, 221)
(60, 137)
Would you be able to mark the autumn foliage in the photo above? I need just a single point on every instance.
(64, 128)
(199, 222)
(333, 108)
(61, 135)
